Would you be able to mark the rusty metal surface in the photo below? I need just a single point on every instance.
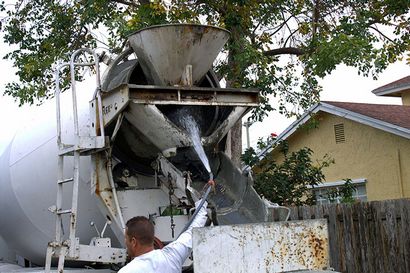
(148, 94)
(264, 247)
(164, 51)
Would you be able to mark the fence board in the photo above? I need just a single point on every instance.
(334, 239)
(293, 214)
(348, 238)
(305, 212)
(391, 238)
(404, 236)
(379, 249)
(365, 237)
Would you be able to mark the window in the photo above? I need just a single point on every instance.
(321, 191)
(339, 133)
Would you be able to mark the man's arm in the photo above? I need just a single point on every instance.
(177, 251)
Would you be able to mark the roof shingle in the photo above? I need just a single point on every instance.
(395, 114)
(393, 88)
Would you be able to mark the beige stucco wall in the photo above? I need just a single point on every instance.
(405, 98)
(380, 157)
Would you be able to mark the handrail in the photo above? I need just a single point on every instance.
(97, 94)
(57, 95)
(74, 91)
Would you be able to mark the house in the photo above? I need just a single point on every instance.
(370, 143)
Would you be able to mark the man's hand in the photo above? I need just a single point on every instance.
(212, 184)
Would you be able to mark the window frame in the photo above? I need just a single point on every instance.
(335, 184)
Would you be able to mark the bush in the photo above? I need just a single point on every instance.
(290, 182)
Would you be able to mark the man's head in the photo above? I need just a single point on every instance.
(139, 236)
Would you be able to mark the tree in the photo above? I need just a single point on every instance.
(344, 193)
(316, 35)
(319, 34)
(290, 182)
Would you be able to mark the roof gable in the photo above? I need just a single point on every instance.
(394, 119)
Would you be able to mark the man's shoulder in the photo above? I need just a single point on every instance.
(136, 266)
(146, 263)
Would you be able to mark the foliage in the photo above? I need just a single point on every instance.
(249, 157)
(317, 35)
(290, 182)
(344, 192)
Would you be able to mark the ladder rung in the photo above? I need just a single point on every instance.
(67, 211)
(65, 180)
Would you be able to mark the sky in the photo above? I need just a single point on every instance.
(344, 84)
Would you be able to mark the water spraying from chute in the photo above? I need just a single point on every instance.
(191, 126)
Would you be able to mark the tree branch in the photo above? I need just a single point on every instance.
(284, 50)
(132, 3)
(278, 28)
(289, 37)
(315, 18)
(382, 34)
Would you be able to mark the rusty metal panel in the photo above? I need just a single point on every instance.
(171, 95)
(262, 247)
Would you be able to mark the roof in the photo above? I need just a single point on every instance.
(395, 114)
(394, 119)
(393, 89)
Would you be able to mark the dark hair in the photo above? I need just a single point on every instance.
(142, 229)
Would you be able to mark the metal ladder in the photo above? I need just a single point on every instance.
(71, 248)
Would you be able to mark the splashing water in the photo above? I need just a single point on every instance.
(192, 128)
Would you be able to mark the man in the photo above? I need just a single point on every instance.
(139, 239)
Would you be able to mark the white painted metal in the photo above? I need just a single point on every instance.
(138, 202)
(15, 269)
(71, 249)
(115, 196)
(6, 254)
(28, 174)
(263, 247)
(162, 226)
(101, 254)
(9, 267)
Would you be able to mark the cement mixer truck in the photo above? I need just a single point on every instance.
(71, 178)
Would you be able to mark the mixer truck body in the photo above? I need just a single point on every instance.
(123, 149)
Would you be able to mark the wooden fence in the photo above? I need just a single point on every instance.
(371, 237)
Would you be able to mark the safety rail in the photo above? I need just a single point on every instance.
(94, 141)
(97, 94)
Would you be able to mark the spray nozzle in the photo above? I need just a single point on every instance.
(211, 176)
(211, 182)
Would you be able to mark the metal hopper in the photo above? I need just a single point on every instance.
(165, 51)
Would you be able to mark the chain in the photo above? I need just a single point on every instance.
(171, 207)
